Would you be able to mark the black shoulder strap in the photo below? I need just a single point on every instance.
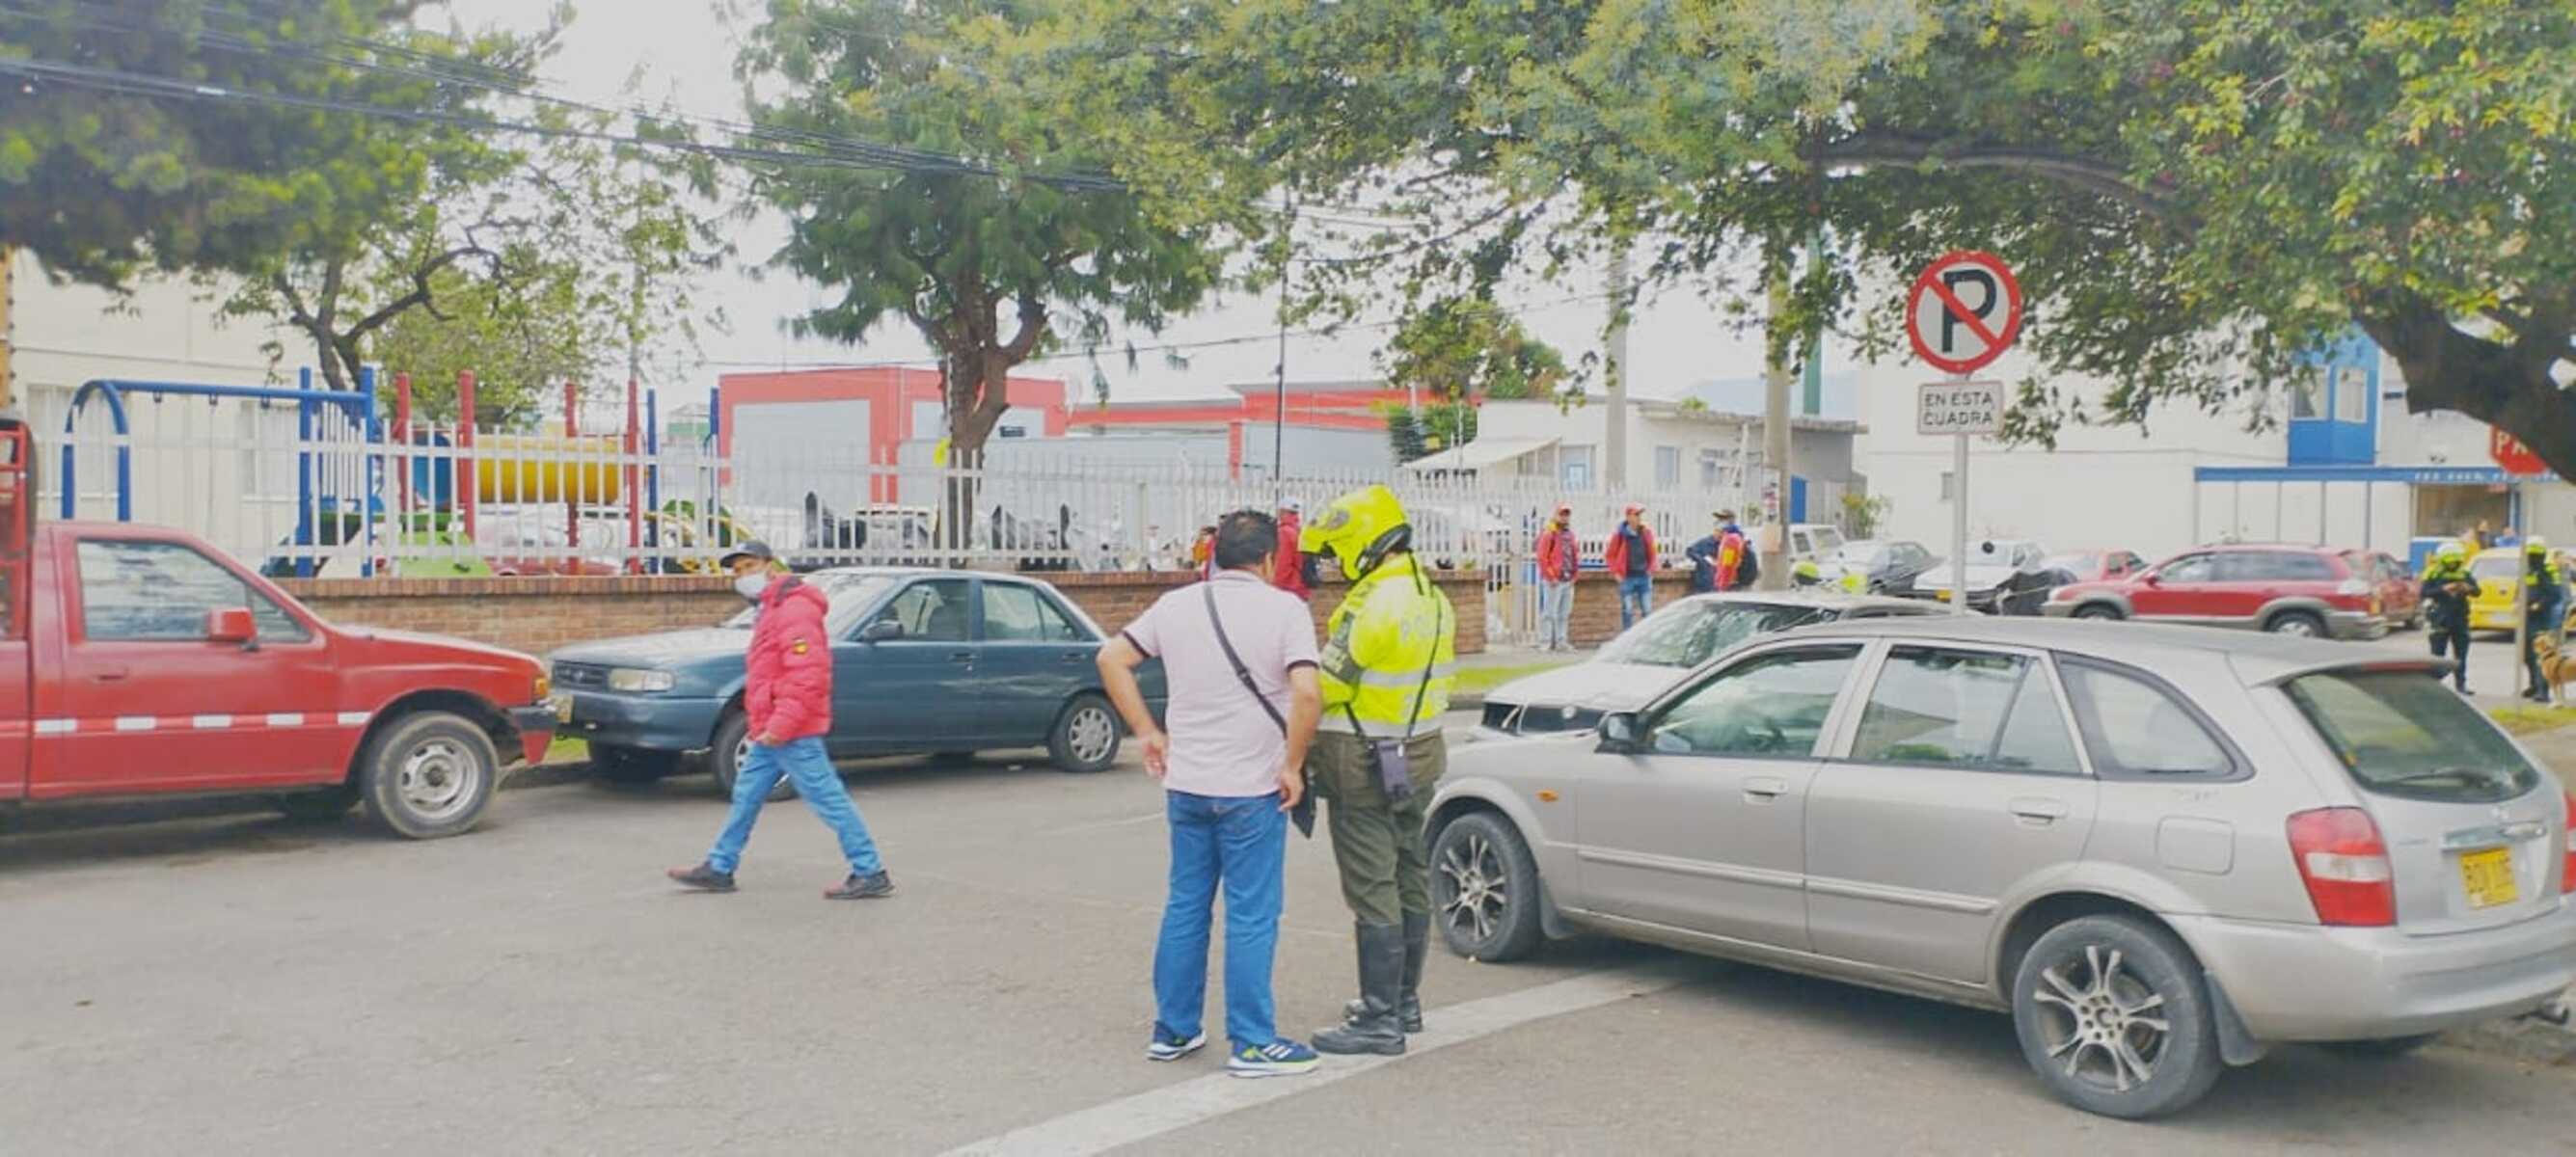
(1439, 623)
(1243, 675)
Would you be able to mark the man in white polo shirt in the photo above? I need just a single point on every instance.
(1239, 656)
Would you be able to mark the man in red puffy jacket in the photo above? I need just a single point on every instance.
(788, 696)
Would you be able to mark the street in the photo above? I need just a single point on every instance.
(237, 984)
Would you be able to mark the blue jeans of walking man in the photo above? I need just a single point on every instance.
(1636, 597)
(804, 761)
(1238, 844)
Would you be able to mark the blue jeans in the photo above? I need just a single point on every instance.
(1636, 597)
(1555, 613)
(802, 760)
(1241, 842)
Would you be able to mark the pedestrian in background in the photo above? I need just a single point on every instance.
(1390, 657)
(2448, 587)
(1631, 557)
(1203, 553)
(1560, 559)
(787, 694)
(2543, 602)
(1292, 571)
(1239, 655)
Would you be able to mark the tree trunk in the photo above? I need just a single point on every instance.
(2505, 386)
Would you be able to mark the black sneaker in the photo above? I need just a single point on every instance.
(875, 885)
(702, 878)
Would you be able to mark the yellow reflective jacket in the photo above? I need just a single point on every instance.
(1394, 624)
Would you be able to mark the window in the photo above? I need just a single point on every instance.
(1668, 467)
(1578, 467)
(1687, 634)
(1964, 709)
(2308, 395)
(161, 591)
(1948, 486)
(2134, 727)
(1711, 463)
(1770, 706)
(931, 611)
(2404, 735)
(2190, 568)
(2352, 395)
(848, 596)
(2274, 566)
(1021, 614)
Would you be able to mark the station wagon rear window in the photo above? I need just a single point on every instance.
(2405, 735)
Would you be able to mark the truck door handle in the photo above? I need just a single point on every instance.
(2038, 812)
(111, 674)
(1764, 789)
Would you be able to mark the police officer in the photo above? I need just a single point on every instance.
(2542, 601)
(1389, 658)
(2448, 587)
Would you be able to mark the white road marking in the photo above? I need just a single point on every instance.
(1178, 1106)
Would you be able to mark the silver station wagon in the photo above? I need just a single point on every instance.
(2163, 850)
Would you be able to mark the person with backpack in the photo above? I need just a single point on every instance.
(1239, 656)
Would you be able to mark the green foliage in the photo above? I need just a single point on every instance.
(99, 184)
(990, 270)
(1461, 348)
(1863, 512)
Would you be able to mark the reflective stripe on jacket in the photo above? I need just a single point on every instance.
(1393, 625)
(787, 689)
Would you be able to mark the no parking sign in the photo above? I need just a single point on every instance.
(1965, 311)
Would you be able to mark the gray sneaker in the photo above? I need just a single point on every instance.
(875, 885)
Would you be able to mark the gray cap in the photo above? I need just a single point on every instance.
(748, 548)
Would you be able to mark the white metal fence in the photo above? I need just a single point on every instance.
(452, 502)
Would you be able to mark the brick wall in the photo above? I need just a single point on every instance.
(538, 615)
(1596, 604)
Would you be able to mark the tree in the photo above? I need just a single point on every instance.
(986, 227)
(1467, 349)
(100, 176)
(2198, 193)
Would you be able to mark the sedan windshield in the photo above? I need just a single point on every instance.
(851, 595)
(1688, 634)
(2401, 734)
(1861, 554)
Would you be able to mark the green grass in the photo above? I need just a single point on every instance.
(1478, 680)
(568, 751)
(2522, 720)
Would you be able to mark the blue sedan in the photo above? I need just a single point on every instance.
(923, 662)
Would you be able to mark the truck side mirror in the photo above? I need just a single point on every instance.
(232, 625)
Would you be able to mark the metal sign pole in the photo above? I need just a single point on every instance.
(1959, 520)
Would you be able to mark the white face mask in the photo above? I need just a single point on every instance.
(751, 585)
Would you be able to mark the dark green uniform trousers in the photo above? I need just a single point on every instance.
(1378, 848)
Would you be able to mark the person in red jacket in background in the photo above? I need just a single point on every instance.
(787, 694)
(1290, 575)
(1631, 557)
(1559, 558)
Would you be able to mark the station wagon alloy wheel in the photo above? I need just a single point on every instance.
(1477, 894)
(2107, 1025)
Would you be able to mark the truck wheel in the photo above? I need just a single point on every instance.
(428, 775)
(1085, 738)
(732, 746)
(631, 765)
(2112, 1015)
(317, 807)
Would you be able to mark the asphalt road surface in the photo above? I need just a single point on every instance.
(240, 985)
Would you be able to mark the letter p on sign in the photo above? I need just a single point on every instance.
(1964, 312)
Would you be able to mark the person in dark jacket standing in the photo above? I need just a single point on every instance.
(788, 696)
(2544, 599)
(2448, 587)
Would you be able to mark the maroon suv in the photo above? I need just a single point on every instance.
(2290, 590)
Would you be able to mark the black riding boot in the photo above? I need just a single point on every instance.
(1376, 1028)
(1408, 1005)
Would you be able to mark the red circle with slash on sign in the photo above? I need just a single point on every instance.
(1964, 312)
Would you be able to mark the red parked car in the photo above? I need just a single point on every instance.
(2084, 566)
(2401, 596)
(2285, 589)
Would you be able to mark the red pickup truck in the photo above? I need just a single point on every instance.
(138, 661)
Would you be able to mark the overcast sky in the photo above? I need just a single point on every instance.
(684, 47)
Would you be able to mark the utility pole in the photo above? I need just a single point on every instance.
(1775, 430)
(8, 332)
(1614, 472)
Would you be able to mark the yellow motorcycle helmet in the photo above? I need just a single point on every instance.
(1358, 530)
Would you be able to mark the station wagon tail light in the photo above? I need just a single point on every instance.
(2345, 866)
(2567, 872)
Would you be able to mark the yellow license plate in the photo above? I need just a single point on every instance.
(563, 708)
(2488, 877)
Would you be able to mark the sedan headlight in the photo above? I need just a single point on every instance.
(637, 679)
